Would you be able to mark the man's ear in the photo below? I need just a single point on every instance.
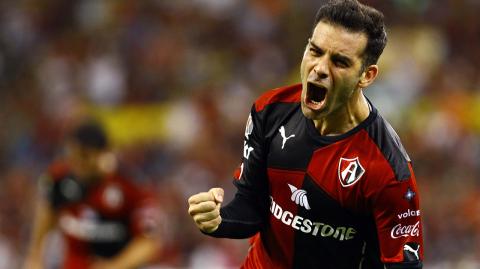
(368, 76)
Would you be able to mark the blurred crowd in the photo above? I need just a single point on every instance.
(173, 81)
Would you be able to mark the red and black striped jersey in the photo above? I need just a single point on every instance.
(313, 201)
(97, 219)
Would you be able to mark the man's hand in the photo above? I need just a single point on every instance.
(204, 208)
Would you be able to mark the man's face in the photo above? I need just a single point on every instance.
(83, 161)
(331, 69)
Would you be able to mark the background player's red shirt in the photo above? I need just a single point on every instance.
(346, 201)
(99, 219)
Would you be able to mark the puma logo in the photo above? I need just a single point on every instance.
(414, 251)
(282, 133)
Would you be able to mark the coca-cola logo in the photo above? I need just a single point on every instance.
(400, 230)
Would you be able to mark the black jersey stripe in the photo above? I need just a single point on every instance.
(296, 152)
(325, 239)
(387, 140)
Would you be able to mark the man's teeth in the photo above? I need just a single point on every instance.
(315, 102)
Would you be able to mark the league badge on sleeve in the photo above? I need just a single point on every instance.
(409, 195)
(349, 171)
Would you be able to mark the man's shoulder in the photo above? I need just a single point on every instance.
(133, 188)
(286, 94)
(58, 170)
(389, 144)
(124, 181)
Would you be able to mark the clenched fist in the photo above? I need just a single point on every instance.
(204, 208)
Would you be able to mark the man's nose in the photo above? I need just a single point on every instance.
(321, 69)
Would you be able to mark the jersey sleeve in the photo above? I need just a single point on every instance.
(246, 213)
(59, 187)
(398, 223)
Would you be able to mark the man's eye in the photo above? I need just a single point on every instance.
(341, 64)
(314, 51)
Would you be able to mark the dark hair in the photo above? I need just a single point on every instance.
(357, 17)
(90, 135)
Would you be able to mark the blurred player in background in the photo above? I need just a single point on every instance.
(325, 181)
(107, 221)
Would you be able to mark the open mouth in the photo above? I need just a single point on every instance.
(315, 96)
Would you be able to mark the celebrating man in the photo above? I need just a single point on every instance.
(325, 181)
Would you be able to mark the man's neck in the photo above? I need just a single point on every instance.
(346, 118)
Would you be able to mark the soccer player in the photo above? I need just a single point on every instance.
(107, 221)
(324, 181)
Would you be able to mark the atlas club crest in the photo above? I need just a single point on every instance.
(349, 171)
